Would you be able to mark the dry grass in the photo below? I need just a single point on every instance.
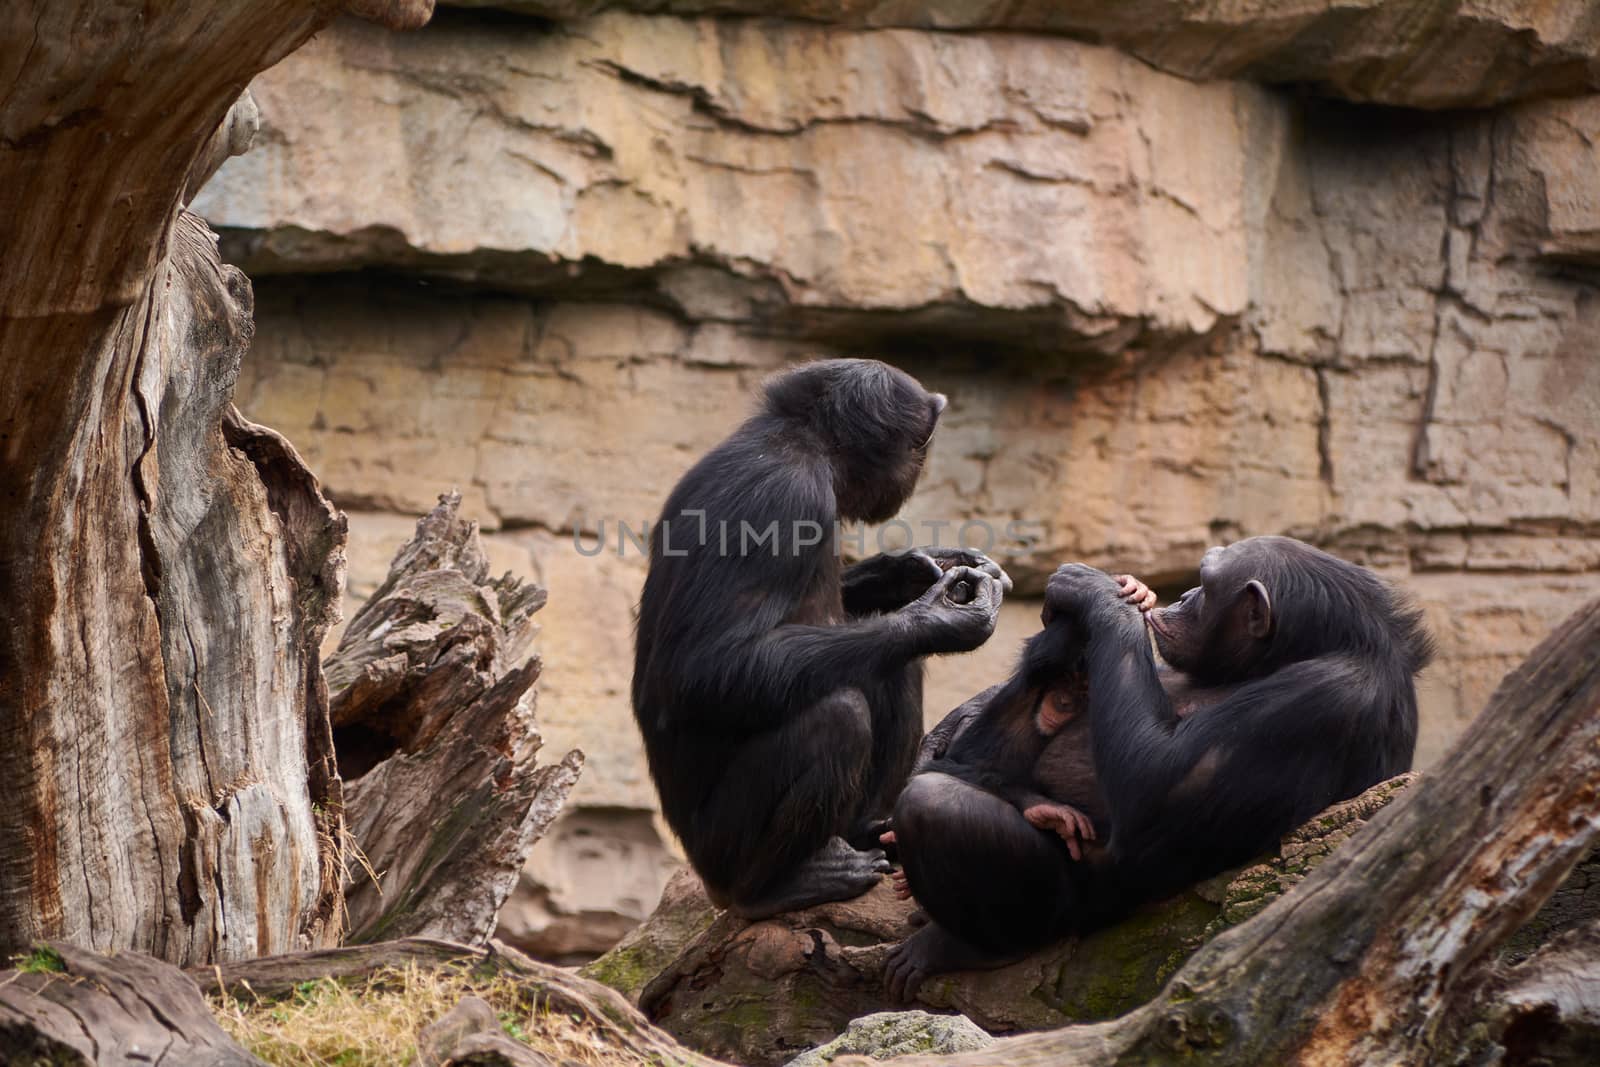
(374, 1022)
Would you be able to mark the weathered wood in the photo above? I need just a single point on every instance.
(73, 1007)
(432, 710)
(1547, 1009)
(617, 1021)
(232, 138)
(163, 733)
(157, 731)
(1379, 956)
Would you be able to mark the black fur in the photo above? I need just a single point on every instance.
(779, 713)
(1268, 715)
(1315, 711)
(991, 742)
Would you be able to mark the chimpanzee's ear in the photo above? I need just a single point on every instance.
(1258, 609)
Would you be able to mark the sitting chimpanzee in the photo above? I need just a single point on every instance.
(780, 700)
(1291, 686)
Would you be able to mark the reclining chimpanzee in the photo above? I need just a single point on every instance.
(1291, 686)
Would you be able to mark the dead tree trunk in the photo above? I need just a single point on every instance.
(168, 569)
(433, 722)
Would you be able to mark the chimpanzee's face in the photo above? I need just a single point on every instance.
(1176, 629)
(882, 434)
(1057, 707)
(1217, 630)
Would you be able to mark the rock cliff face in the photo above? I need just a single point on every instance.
(547, 259)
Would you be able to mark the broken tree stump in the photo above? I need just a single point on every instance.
(433, 721)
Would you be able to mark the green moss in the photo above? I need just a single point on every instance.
(1119, 968)
(643, 954)
(42, 960)
(746, 1014)
(625, 971)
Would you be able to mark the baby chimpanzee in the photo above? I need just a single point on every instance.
(1028, 741)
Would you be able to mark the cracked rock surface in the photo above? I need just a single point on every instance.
(1409, 53)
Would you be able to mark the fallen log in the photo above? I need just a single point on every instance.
(1393, 942)
(758, 993)
(69, 1007)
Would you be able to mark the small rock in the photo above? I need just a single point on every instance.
(438, 1041)
(888, 1034)
(495, 1050)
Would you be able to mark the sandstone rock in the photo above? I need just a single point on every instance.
(596, 876)
(574, 158)
(1414, 53)
(888, 1034)
(1394, 328)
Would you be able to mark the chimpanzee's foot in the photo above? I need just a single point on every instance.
(835, 872)
(934, 950)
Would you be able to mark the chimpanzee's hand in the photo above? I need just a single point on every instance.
(916, 572)
(1078, 591)
(1137, 593)
(966, 557)
(958, 614)
(1066, 822)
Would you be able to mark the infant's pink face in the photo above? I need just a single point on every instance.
(1055, 711)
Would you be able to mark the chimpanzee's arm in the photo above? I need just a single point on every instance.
(1217, 787)
(886, 582)
(1225, 784)
(756, 675)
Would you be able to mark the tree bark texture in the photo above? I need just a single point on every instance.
(79, 1008)
(433, 717)
(1547, 1010)
(169, 569)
